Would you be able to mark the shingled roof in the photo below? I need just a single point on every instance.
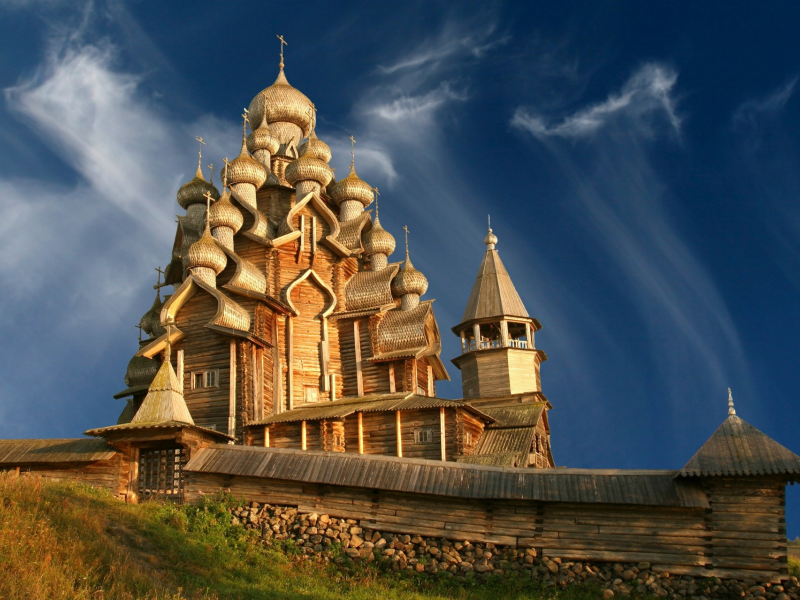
(493, 294)
(738, 448)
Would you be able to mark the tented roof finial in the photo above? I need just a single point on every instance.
(731, 410)
(283, 43)
(201, 143)
(491, 239)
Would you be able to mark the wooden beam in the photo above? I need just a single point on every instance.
(277, 388)
(442, 432)
(399, 435)
(392, 386)
(313, 235)
(324, 352)
(303, 436)
(504, 333)
(430, 381)
(266, 436)
(357, 344)
(289, 363)
(476, 333)
(254, 377)
(415, 380)
(232, 392)
(360, 433)
(180, 368)
(333, 386)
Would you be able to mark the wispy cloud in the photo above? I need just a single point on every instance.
(613, 187)
(772, 103)
(91, 244)
(648, 93)
(456, 40)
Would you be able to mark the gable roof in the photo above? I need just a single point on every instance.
(23, 452)
(493, 294)
(738, 448)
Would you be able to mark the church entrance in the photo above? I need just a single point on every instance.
(161, 473)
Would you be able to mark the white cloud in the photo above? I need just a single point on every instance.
(749, 111)
(614, 189)
(647, 93)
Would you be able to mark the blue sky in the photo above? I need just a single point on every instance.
(639, 163)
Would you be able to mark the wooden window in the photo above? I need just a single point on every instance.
(205, 379)
(311, 393)
(161, 474)
(423, 435)
(338, 440)
(467, 438)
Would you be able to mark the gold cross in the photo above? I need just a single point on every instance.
(200, 150)
(207, 196)
(225, 174)
(352, 153)
(211, 168)
(283, 43)
(139, 327)
(160, 273)
(377, 193)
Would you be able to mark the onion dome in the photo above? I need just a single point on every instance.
(284, 104)
(409, 281)
(151, 320)
(490, 240)
(315, 147)
(141, 371)
(308, 167)
(262, 139)
(244, 169)
(352, 187)
(377, 240)
(206, 253)
(194, 191)
(224, 214)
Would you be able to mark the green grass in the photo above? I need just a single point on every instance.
(69, 541)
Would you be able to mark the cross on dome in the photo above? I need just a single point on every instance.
(211, 168)
(731, 410)
(283, 43)
(352, 153)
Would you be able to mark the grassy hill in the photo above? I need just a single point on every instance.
(68, 541)
(65, 540)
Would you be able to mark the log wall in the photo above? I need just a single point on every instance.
(681, 541)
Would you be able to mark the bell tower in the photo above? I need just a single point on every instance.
(498, 355)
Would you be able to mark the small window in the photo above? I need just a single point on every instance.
(423, 435)
(467, 438)
(312, 393)
(338, 440)
(205, 379)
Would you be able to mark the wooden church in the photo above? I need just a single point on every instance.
(290, 327)
(294, 364)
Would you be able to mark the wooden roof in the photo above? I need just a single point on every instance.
(521, 415)
(54, 451)
(493, 294)
(653, 488)
(339, 409)
(738, 448)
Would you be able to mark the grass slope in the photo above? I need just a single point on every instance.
(69, 541)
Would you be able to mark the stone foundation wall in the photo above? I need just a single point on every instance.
(322, 538)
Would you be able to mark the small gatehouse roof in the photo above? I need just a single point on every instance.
(738, 448)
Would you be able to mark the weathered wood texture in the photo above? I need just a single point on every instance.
(111, 474)
(204, 350)
(499, 372)
(675, 540)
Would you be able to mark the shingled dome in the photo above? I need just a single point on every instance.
(738, 448)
